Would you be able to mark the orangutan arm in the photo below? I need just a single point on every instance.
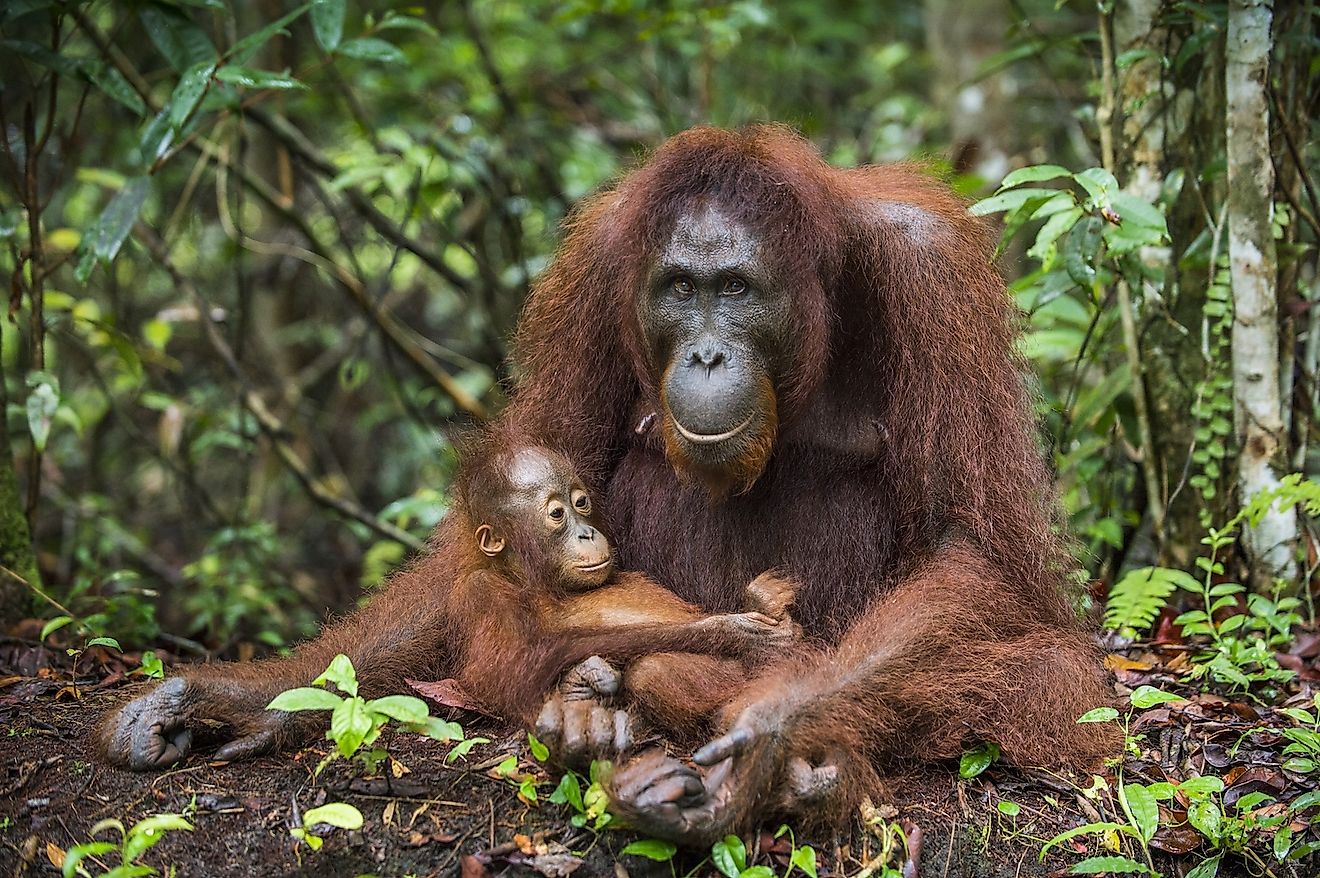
(397, 635)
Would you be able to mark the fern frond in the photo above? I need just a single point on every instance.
(1137, 598)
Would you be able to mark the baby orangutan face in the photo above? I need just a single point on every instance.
(546, 509)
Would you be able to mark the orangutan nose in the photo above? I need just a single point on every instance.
(707, 354)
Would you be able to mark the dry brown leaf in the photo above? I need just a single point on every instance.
(55, 854)
(1116, 662)
(449, 692)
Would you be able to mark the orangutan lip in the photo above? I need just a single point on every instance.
(711, 438)
(592, 568)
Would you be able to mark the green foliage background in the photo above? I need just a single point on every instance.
(282, 246)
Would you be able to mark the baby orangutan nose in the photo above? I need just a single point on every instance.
(593, 549)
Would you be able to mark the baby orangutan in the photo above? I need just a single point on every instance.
(538, 593)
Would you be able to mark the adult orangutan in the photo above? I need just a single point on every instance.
(759, 361)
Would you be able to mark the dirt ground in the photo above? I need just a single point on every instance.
(439, 819)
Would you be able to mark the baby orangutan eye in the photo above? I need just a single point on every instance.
(582, 503)
(734, 287)
(683, 287)
(555, 513)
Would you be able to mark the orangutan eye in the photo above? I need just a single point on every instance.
(555, 512)
(582, 503)
(683, 287)
(734, 287)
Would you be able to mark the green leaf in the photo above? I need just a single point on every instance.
(1087, 829)
(1134, 210)
(1008, 201)
(1144, 809)
(1009, 809)
(188, 93)
(176, 36)
(437, 729)
(1305, 801)
(569, 792)
(112, 83)
(107, 234)
(249, 78)
(105, 641)
(1148, 696)
(758, 872)
(977, 760)
(1033, 174)
(651, 848)
(61, 64)
(245, 48)
(349, 725)
(729, 856)
(79, 852)
(1282, 842)
(328, 22)
(159, 823)
(340, 814)
(540, 752)
(1207, 869)
(341, 673)
(54, 625)
(1099, 184)
(372, 49)
(404, 708)
(805, 859)
(462, 748)
(1054, 228)
(1113, 865)
(42, 403)
(1206, 817)
(304, 698)
(152, 667)
(1099, 715)
(1199, 787)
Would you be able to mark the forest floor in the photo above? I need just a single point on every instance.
(424, 816)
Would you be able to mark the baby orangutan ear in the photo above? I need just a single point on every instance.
(488, 542)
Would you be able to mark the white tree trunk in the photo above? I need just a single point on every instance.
(1258, 404)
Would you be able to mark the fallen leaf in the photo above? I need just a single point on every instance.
(1176, 839)
(55, 854)
(1116, 662)
(449, 692)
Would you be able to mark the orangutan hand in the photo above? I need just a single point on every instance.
(575, 723)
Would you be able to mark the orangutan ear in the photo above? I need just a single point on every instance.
(488, 542)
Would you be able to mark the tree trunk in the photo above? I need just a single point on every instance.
(15, 544)
(1258, 404)
(985, 133)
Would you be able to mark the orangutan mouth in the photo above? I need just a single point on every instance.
(592, 568)
(711, 438)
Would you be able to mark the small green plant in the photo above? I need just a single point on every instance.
(977, 760)
(1303, 748)
(1137, 802)
(133, 843)
(730, 858)
(355, 722)
(152, 667)
(1242, 631)
(338, 814)
(524, 781)
(587, 798)
(801, 858)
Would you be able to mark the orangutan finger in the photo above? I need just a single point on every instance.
(725, 746)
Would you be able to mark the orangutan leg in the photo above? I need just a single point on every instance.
(947, 658)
